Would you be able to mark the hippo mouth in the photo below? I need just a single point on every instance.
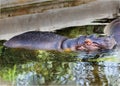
(90, 46)
(101, 43)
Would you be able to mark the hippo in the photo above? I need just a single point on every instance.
(92, 44)
(37, 40)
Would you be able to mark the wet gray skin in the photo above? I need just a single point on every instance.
(36, 40)
(95, 43)
(113, 29)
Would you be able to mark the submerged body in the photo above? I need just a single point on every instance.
(36, 40)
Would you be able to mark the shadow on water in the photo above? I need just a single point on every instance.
(27, 68)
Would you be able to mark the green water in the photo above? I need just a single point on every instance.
(55, 68)
(20, 67)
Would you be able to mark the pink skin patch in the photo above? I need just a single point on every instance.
(88, 46)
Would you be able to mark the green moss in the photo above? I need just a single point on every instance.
(16, 56)
(9, 74)
(76, 31)
(106, 58)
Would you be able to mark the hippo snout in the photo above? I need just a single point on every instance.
(105, 42)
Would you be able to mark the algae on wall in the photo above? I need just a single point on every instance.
(73, 32)
(26, 7)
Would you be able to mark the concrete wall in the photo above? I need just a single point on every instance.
(25, 7)
(58, 18)
(9, 3)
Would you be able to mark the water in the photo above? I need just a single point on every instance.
(74, 73)
(55, 68)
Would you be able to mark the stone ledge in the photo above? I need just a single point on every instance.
(55, 19)
(37, 7)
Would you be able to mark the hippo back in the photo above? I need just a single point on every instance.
(113, 29)
(36, 40)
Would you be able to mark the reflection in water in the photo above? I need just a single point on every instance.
(104, 71)
(90, 74)
(61, 69)
(78, 73)
(30, 78)
(45, 74)
(112, 73)
(83, 72)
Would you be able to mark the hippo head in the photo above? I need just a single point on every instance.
(93, 43)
